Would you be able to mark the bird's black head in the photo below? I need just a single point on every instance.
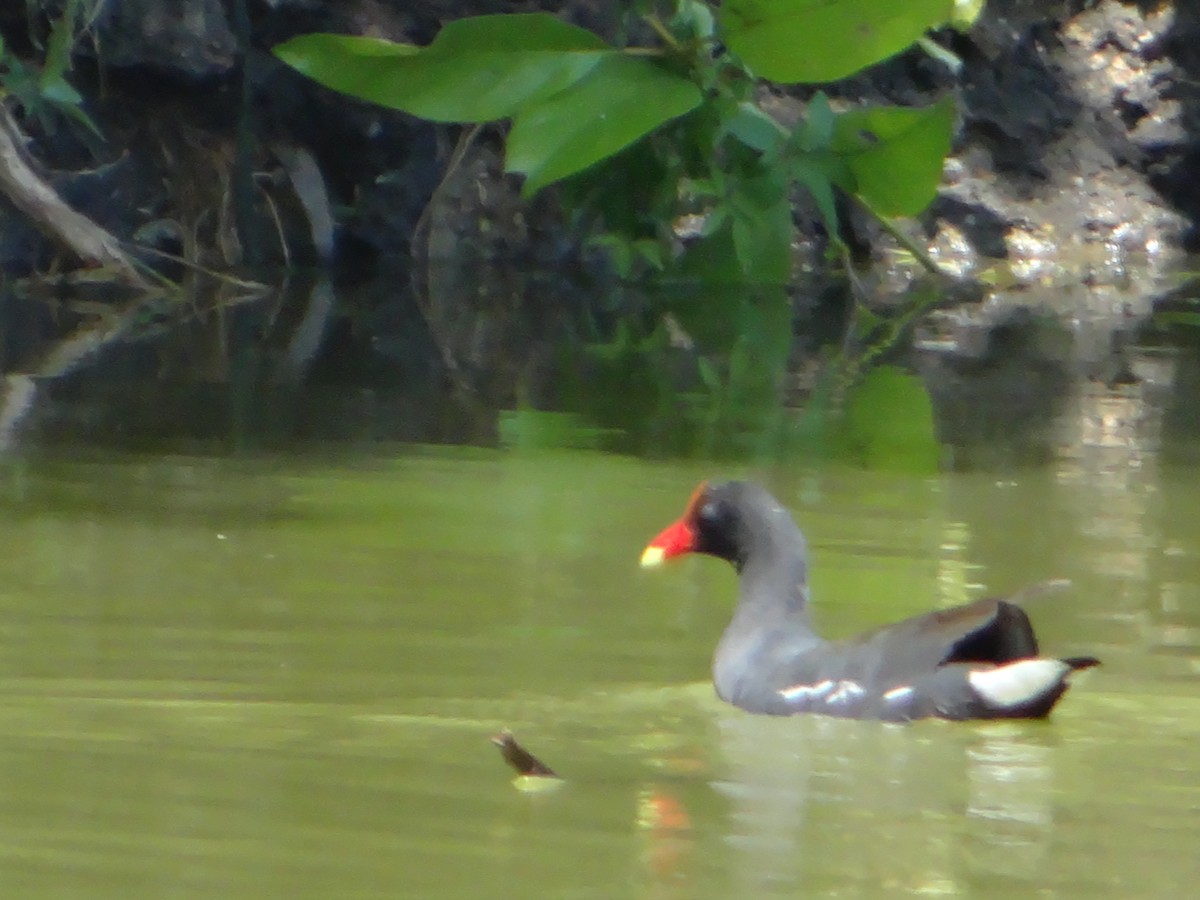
(727, 520)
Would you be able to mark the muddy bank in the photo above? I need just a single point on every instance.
(1079, 129)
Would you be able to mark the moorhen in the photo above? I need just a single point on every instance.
(978, 661)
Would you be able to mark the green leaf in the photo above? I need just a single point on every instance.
(529, 429)
(888, 423)
(816, 130)
(511, 32)
(712, 262)
(67, 101)
(58, 50)
(754, 128)
(59, 91)
(716, 220)
(866, 321)
(895, 154)
(820, 185)
(762, 229)
(76, 114)
(696, 20)
(769, 329)
(22, 85)
(476, 70)
(619, 250)
(814, 41)
(651, 252)
(620, 100)
(965, 13)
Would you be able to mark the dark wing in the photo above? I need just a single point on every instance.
(986, 631)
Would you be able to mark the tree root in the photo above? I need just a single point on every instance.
(27, 190)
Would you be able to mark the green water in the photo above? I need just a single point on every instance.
(276, 677)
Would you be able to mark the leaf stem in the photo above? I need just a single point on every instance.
(662, 31)
(919, 253)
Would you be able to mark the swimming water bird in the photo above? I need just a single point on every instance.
(977, 661)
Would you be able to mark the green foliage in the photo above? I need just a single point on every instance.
(888, 423)
(894, 155)
(530, 430)
(578, 104)
(816, 41)
(1181, 310)
(638, 138)
(618, 101)
(44, 92)
(476, 70)
(629, 387)
(1191, 319)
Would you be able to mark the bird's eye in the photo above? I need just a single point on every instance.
(710, 513)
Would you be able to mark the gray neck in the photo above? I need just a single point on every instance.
(772, 623)
(772, 565)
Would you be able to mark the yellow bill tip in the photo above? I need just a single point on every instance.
(652, 556)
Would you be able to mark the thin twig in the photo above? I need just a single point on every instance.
(203, 270)
(279, 232)
(423, 227)
(456, 158)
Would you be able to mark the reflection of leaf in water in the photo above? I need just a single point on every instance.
(533, 429)
(1178, 318)
(888, 423)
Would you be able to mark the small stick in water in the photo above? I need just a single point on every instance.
(519, 758)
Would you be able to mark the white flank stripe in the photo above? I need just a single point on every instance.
(900, 693)
(846, 690)
(798, 691)
(1018, 682)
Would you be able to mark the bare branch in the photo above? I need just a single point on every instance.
(38, 200)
